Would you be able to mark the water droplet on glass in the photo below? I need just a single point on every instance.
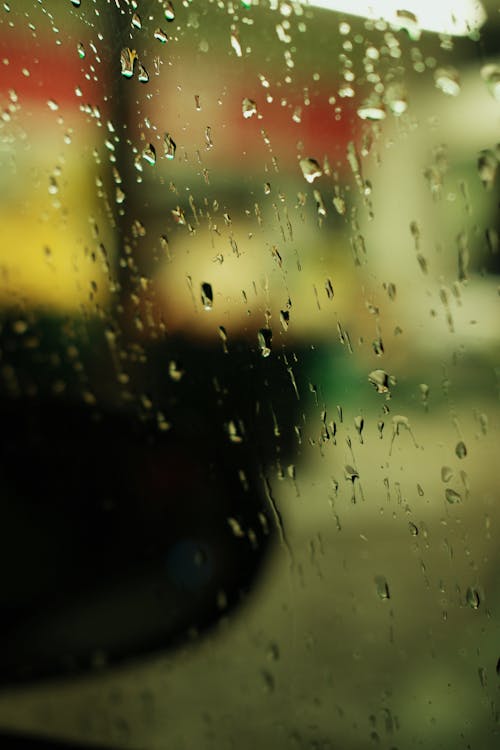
(371, 109)
(359, 423)
(234, 435)
(127, 61)
(136, 21)
(310, 169)
(452, 496)
(81, 50)
(447, 80)
(413, 528)
(168, 10)
(446, 473)
(382, 588)
(207, 296)
(487, 165)
(142, 74)
(396, 98)
(350, 473)
(491, 76)
(160, 35)
(76, 3)
(472, 598)
(381, 380)
(461, 449)
(235, 43)
(169, 145)
(175, 371)
(149, 154)
(265, 337)
(248, 108)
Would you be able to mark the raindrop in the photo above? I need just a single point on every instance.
(142, 74)
(81, 50)
(207, 296)
(168, 10)
(446, 473)
(483, 421)
(248, 108)
(149, 154)
(265, 337)
(359, 423)
(350, 473)
(413, 528)
(127, 61)
(491, 76)
(175, 371)
(267, 188)
(371, 109)
(487, 165)
(382, 588)
(160, 35)
(472, 598)
(136, 21)
(169, 145)
(234, 435)
(396, 98)
(381, 380)
(76, 3)
(452, 496)
(310, 169)
(447, 80)
(461, 449)
(235, 43)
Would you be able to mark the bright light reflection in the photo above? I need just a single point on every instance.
(455, 17)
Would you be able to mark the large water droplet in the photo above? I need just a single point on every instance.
(248, 108)
(491, 76)
(168, 10)
(265, 337)
(472, 598)
(487, 165)
(127, 61)
(382, 588)
(149, 154)
(452, 496)
(169, 145)
(207, 296)
(310, 169)
(447, 80)
(461, 449)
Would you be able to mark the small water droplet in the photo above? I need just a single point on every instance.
(447, 80)
(483, 421)
(207, 296)
(169, 146)
(136, 21)
(396, 98)
(461, 449)
(310, 169)
(265, 337)
(127, 62)
(483, 677)
(350, 473)
(472, 598)
(382, 588)
(248, 108)
(413, 528)
(81, 50)
(452, 496)
(76, 3)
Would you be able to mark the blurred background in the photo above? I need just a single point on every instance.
(250, 373)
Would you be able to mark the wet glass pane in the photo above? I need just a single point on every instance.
(249, 373)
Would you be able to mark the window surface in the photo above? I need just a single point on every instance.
(250, 373)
